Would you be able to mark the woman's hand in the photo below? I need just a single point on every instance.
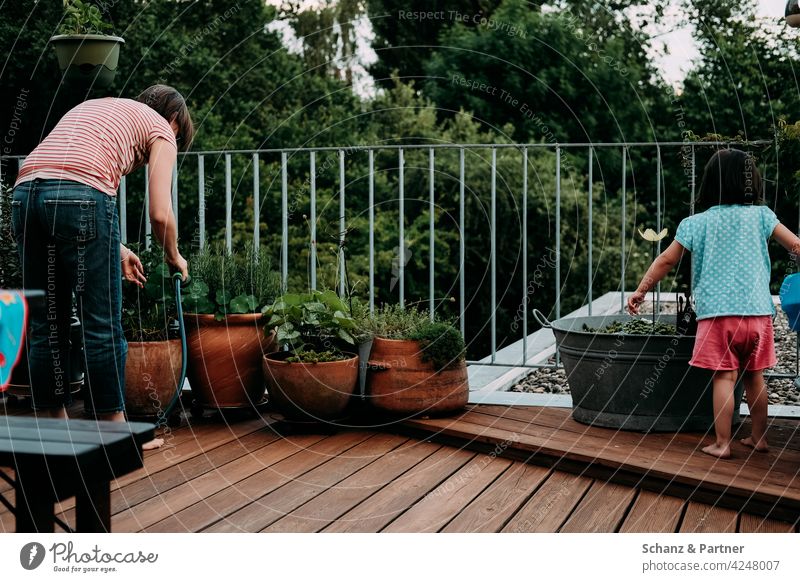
(132, 269)
(635, 299)
(179, 265)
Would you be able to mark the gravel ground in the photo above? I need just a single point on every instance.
(781, 391)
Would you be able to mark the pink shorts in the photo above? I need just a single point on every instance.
(734, 342)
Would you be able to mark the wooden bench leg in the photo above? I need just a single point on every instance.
(34, 508)
(93, 507)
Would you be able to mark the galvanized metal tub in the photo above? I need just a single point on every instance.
(634, 382)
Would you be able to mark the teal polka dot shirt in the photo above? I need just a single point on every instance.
(730, 259)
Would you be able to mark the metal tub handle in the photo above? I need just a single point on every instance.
(542, 319)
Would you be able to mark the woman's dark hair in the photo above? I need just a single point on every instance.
(171, 106)
(731, 177)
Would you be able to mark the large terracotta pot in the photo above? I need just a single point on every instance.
(152, 372)
(399, 381)
(318, 391)
(225, 359)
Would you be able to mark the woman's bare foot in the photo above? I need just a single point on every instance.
(153, 444)
(715, 450)
(761, 446)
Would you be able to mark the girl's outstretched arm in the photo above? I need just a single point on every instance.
(788, 240)
(663, 264)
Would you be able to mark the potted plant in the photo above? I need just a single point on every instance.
(85, 53)
(417, 366)
(316, 375)
(153, 366)
(224, 326)
(11, 278)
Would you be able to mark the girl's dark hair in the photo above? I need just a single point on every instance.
(171, 106)
(731, 177)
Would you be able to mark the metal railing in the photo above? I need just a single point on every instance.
(284, 157)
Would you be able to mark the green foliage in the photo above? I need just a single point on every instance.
(635, 327)
(317, 322)
(314, 357)
(223, 284)
(148, 313)
(441, 343)
(82, 17)
(394, 322)
(10, 267)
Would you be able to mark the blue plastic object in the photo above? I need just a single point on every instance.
(790, 300)
(13, 316)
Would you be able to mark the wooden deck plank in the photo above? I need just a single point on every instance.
(264, 511)
(157, 508)
(601, 510)
(654, 513)
(332, 503)
(692, 469)
(442, 504)
(376, 512)
(551, 505)
(489, 512)
(701, 518)
(754, 524)
(216, 507)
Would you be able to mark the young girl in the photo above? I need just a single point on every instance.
(731, 272)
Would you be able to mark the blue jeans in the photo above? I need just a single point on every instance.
(68, 240)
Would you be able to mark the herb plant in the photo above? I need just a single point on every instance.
(148, 313)
(236, 283)
(82, 17)
(442, 344)
(635, 327)
(315, 326)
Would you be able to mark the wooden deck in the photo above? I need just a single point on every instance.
(767, 484)
(244, 477)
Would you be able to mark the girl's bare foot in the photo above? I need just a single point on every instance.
(761, 446)
(153, 444)
(715, 450)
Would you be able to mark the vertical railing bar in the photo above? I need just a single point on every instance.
(558, 232)
(342, 283)
(461, 242)
(313, 214)
(431, 239)
(284, 222)
(623, 228)
(494, 254)
(401, 227)
(371, 232)
(558, 239)
(123, 211)
(201, 199)
(525, 303)
(256, 207)
(657, 306)
(590, 230)
(228, 206)
(147, 226)
(175, 193)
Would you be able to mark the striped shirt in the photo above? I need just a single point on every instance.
(98, 142)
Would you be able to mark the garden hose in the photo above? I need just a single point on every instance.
(184, 351)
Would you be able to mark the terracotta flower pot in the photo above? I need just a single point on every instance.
(318, 391)
(152, 372)
(399, 381)
(225, 359)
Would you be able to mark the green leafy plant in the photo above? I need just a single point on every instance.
(10, 266)
(315, 326)
(635, 327)
(148, 313)
(82, 18)
(235, 283)
(441, 343)
(392, 321)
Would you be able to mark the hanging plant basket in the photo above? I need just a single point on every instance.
(88, 59)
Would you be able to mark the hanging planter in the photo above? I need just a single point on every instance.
(86, 56)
